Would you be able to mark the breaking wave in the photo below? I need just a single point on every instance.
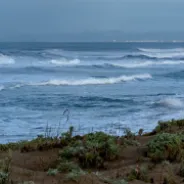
(166, 55)
(145, 64)
(161, 50)
(170, 102)
(65, 62)
(177, 53)
(95, 81)
(6, 60)
(2, 87)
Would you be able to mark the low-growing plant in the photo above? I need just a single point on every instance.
(68, 135)
(68, 152)
(151, 166)
(27, 182)
(167, 125)
(12, 146)
(93, 150)
(119, 182)
(180, 123)
(166, 146)
(75, 175)
(52, 172)
(166, 163)
(161, 126)
(181, 169)
(67, 166)
(5, 165)
(169, 180)
(128, 142)
(4, 177)
(110, 181)
(129, 134)
(139, 173)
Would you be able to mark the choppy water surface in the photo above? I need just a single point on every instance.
(103, 85)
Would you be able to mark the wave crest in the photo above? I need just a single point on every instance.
(171, 103)
(95, 81)
(175, 53)
(144, 64)
(65, 62)
(6, 60)
(161, 50)
(2, 87)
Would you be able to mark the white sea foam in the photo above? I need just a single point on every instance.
(171, 102)
(146, 64)
(64, 62)
(176, 53)
(57, 52)
(162, 50)
(6, 60)
(2, 87)
(95, 81)
(168, 55)
(17, 86)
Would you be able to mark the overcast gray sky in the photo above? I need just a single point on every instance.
(50, 19)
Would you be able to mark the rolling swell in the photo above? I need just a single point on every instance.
(29, 70)
(45, 68)
(176, 53)
(60, 102)
(176, 75)
(127, 56)
(145, 56)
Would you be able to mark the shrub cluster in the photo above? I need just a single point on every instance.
(166, 146)
(166, 125)
(92, 150)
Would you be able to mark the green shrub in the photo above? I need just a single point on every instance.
(67, 166)
(166, 147)
(5, 165)
(128, 142)
(129, 134)
(93, 150)
(166, 125)
(4, 177)
(68, 135)
(162, 126)
(68, 152)
(139, 173)
(169, 179)
(75, 175)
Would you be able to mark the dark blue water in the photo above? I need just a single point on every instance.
(103, 86)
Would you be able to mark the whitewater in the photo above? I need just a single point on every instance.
(101, 86)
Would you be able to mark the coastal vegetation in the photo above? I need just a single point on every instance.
(97, 157)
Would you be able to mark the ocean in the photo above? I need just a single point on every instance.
(91, 86)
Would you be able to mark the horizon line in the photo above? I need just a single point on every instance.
(113, 41)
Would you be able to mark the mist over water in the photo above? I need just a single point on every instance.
(103, 85)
